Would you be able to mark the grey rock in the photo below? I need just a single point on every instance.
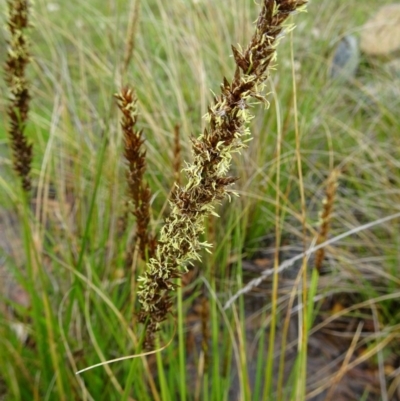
(345, 60)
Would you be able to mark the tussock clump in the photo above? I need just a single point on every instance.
(14, 72)
(207, 180)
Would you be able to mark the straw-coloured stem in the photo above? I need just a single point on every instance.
(177, 155)
(130, 37)
(205, 330)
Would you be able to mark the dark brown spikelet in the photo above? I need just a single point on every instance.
(325, 216)
(138, 190)
(19, 97)
(207, 181)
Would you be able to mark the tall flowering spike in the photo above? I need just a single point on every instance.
(326, 215)
(18, 102)
(207, 183)
(139, 191)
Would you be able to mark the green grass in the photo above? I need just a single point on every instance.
(71, 257)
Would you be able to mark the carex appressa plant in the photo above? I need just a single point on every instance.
(208, 182)
(19, 97)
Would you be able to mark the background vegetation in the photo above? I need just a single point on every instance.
(69, 252)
